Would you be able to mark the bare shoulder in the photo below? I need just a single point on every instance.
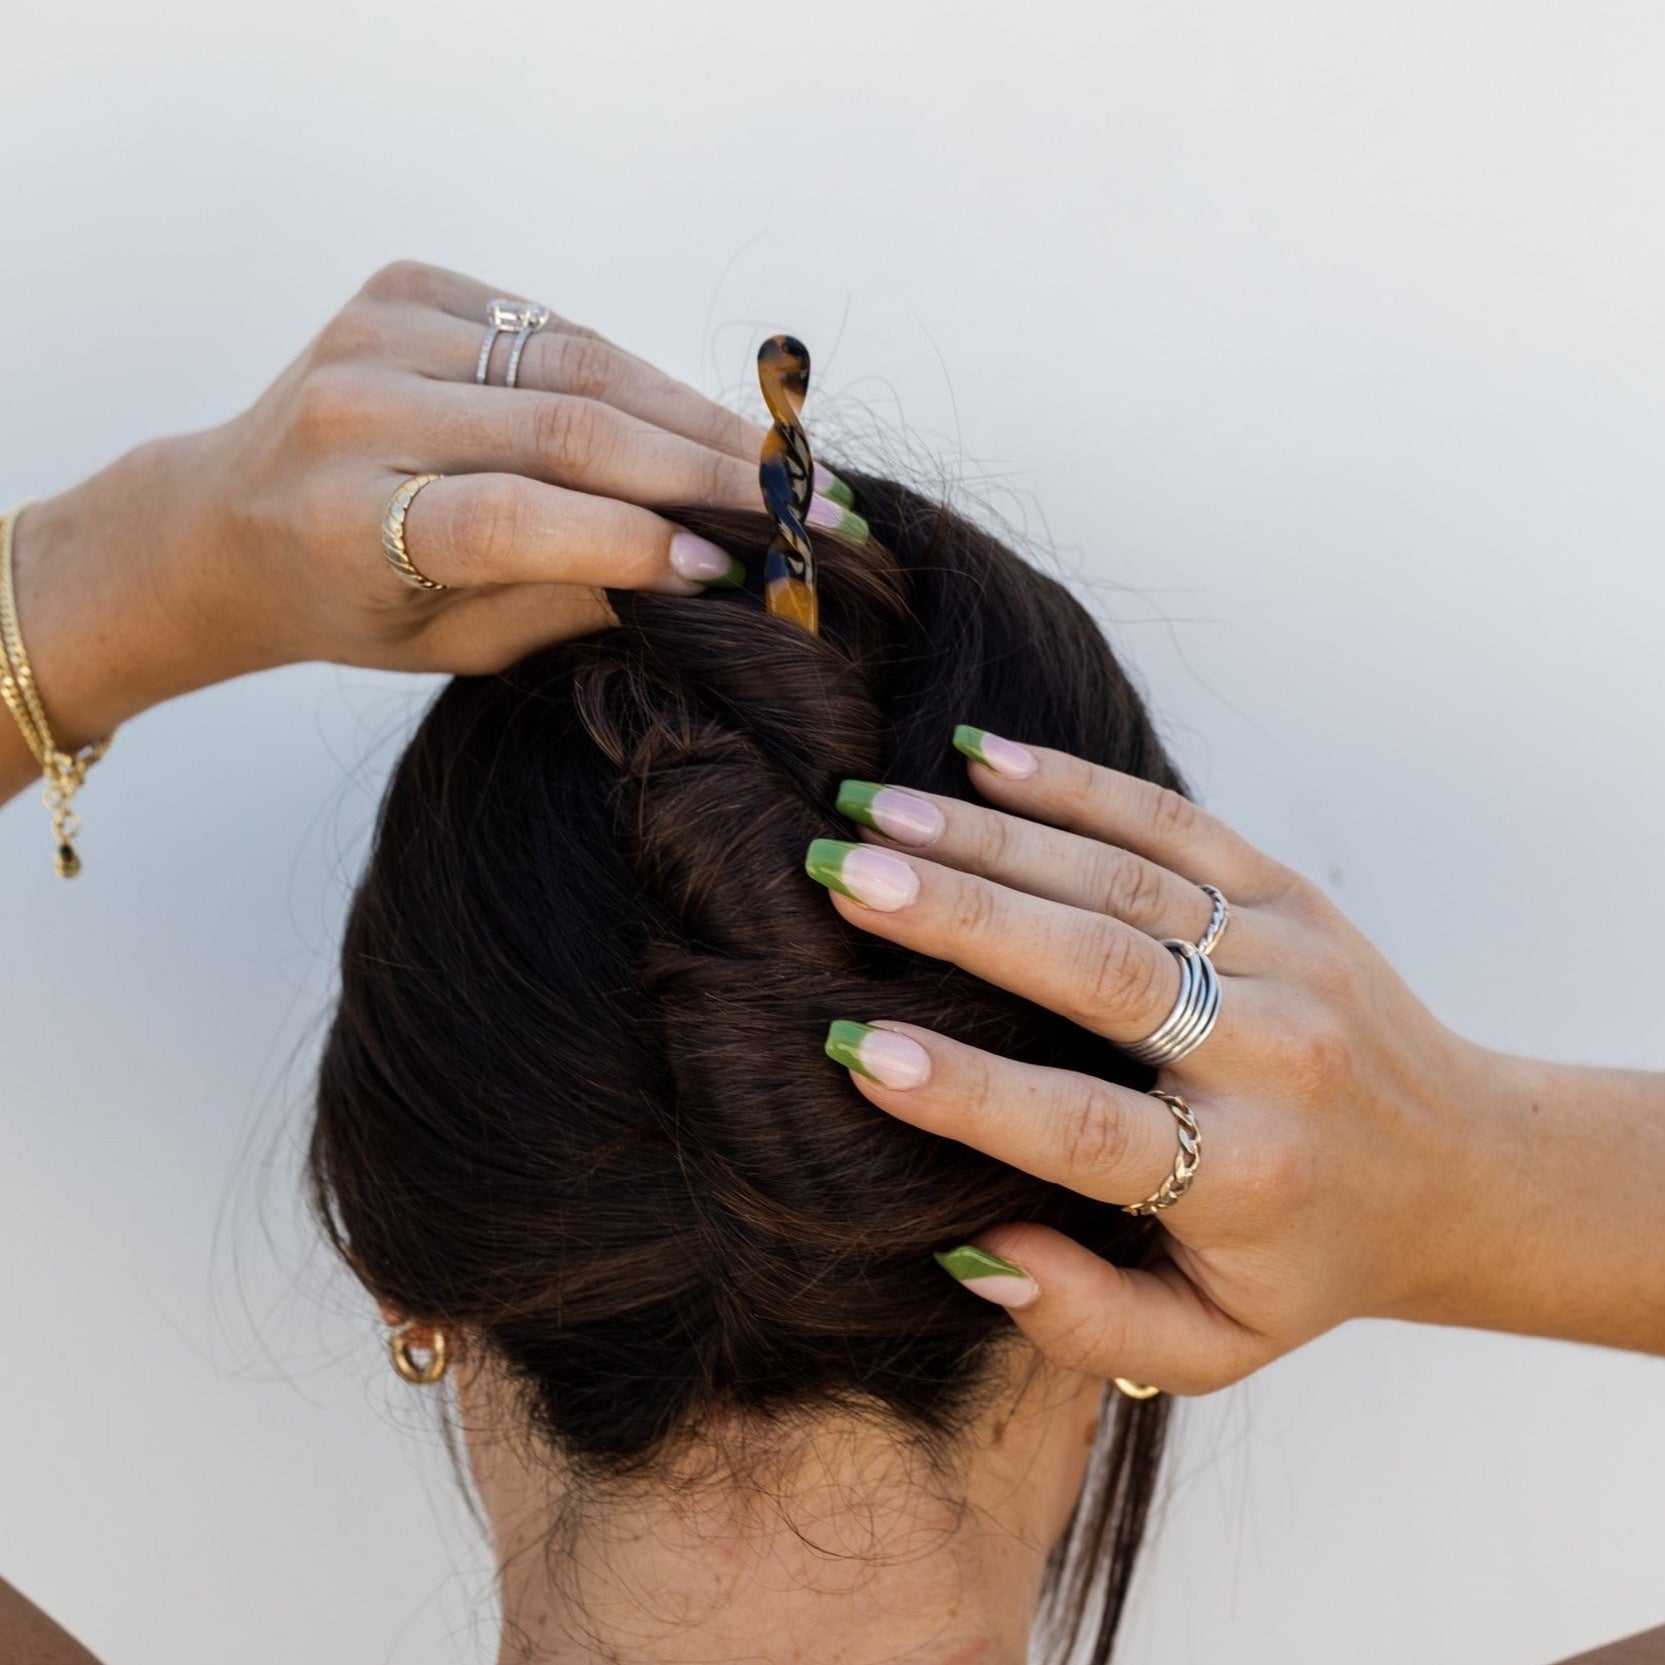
(1647, 1649)
(28, 1637)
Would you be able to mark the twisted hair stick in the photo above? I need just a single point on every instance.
(787, 475)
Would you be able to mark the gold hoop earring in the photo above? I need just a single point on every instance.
(1133, 1390)
(404, 1361)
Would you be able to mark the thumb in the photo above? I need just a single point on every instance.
(1151, 1325)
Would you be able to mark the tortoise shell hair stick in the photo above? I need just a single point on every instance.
(787, 475)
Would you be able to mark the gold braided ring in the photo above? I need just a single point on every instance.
(399, 1341)
(1186, 1160)
(393, 532)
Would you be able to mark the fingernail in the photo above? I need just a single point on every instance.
(880, 1054)
(1005, 757)
(991, 1277)
(907, 818)
(863, 873)
(833, 517)
(701, 561)
(829, 485)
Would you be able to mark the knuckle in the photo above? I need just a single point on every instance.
(330, 406)
(1117, 976)
(976, 1085)
(995, 840)
(1172, 814)
(1088, 1340)
(1275, 1178)
(971, 915)
(584, 366)
(1131, 889)
(486, 528)
(1077, 784)
(568, 432)
(1096, 1140)
(356, 331)
(1318, 1064)
(401, 280)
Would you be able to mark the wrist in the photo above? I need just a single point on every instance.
(115, 600)
(1476, 1205)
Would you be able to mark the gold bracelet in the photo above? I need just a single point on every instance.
(64, 773)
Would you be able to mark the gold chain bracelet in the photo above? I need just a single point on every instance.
(64, 773)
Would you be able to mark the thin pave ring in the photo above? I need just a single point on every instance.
(393, 533)
(501, 317)
(532, 319)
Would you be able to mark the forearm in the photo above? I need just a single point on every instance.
(1555, 1220)
(109, 629)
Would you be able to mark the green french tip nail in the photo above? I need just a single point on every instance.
(970, 741)
(855, 800)
(844, 1044)
(838, 491)
(852, 526)
(825, 864)
(968, 1261)
(732, 579)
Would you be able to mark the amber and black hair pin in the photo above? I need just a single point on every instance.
(787, 475)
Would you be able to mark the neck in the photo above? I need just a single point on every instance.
(854, 1551)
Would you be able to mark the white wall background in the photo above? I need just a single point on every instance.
(1328, 339)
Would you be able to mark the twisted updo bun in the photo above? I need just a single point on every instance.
(574, 1101)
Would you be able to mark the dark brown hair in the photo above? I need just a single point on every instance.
(574, 1102)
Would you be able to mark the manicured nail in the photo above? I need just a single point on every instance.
(829, 485)
(701, 561)
(900, 815)
(863, 873)
(880, 1054)
(845, 522)
(1005, 757)
(991, 1277)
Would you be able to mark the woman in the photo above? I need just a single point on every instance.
(1355, 1157)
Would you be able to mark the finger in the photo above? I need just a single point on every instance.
(1096, 971)
(469, 529)
(1152, 821)
(558, 359)
(485, 630)
(1028, 855)
(1107, 1142)
(1151, 1326)
(441, 290)
(585, 445)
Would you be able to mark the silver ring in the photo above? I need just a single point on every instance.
(532, 319)
(1217, 921)
(1194, 1015)
(501, 317)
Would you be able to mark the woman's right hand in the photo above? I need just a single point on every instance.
(257, 543)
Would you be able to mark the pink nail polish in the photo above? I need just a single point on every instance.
(698, 559)
(880, 1054)
(990, 1276)
(1005, 757)
(863, 872)
(904, 816)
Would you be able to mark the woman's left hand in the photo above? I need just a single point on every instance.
(1331, 1104)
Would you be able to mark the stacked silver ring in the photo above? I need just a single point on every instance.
(524, 318)
(1194, 1015)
